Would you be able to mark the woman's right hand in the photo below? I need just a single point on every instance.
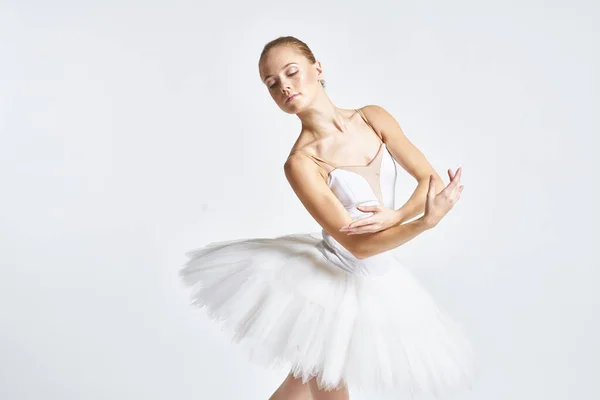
(438, 205)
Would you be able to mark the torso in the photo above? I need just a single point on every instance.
(355, 147)
(370, 181)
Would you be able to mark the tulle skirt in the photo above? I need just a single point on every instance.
(288, 306)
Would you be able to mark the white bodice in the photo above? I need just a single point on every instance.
(374, 183)
(354, 185)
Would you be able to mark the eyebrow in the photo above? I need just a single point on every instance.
(285, 66)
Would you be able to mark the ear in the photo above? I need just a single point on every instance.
(319, 69)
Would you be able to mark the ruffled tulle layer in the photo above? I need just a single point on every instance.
(287, 305)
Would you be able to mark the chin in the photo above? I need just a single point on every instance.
(290, 108)
(294, 107)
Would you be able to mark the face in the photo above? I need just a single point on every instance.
(290, 78)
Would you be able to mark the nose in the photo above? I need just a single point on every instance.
(285, 88)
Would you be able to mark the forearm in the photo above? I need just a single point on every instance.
(371, 244)
(374, 243)
(416, 203)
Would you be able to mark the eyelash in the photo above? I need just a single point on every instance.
(273, 85)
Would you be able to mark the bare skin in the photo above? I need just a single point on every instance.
(293, 389)
(342, 137)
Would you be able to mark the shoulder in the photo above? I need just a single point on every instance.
(295, 162)
(375, 113)
(299, 166)
(380, 119)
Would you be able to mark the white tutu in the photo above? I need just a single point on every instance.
(289, 306)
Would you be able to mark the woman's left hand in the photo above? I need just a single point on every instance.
(382, 219)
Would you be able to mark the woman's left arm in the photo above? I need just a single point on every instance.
(409, 158)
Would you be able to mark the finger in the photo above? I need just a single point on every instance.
(431, 191)
(456, 196)
(368, 208)
(363, 229)
(348, 227)
(455, 181)
(360, 223)
(358, 233)
(449, 188)
(450, 174)
(457, 174)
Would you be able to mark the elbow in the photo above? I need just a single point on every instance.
(359, 250)
(353, 245)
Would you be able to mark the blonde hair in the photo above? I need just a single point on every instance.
(297, 44)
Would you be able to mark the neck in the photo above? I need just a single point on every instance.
(323, 119)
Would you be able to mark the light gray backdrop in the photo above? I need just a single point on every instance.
(133, 131)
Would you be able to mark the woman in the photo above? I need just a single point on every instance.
(340, 310)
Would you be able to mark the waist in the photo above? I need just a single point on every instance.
(339, 256)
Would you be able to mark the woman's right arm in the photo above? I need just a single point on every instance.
(308, 183)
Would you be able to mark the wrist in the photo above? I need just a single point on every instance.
(426, 223)
(399, 216)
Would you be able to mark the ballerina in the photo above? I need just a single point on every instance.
(338, 309)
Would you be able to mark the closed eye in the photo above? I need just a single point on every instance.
(292, 74)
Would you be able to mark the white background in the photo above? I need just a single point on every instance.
(133, 131)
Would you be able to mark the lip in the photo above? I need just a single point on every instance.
(292, 97)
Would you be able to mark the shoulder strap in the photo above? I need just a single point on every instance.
(318, 160)
(368, 123)
(327, 165)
